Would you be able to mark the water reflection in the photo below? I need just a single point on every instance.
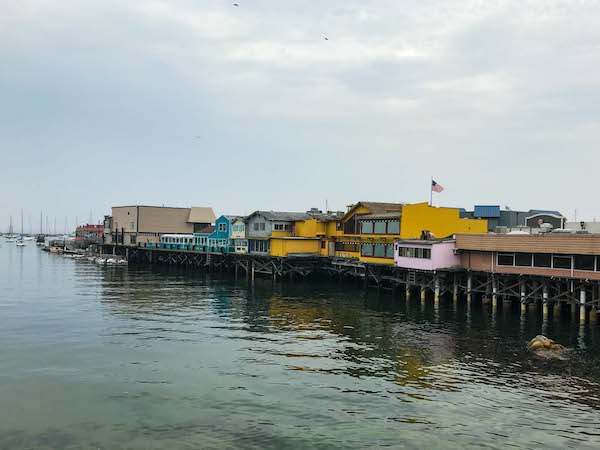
(99, 356)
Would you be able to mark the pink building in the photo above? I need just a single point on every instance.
(431, 255)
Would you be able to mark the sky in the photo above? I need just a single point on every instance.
(288, 105)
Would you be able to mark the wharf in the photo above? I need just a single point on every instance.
(554, 296)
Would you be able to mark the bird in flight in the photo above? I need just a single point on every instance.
(326, 38)
(235, 4)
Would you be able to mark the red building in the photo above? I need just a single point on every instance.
(92, 233)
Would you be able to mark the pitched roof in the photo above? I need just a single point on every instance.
(380, 207)
(201, 215)
(377, 207)
(231, 218)
(282, 216)
(388, 215)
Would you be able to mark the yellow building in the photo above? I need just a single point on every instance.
(368, 229)
(313, 235)
(288, 234)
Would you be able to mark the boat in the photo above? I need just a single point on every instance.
(28, 238)
(10, 236)
(20, 242)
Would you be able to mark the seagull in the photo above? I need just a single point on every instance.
(235, 4)
(326, 38)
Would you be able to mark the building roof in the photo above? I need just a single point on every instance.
(424, 241)
(230, 217)
(388, 215)
(570, 244)
(200, 214)
(282, 216)
(381, 208)
(486, 211)
(148, 206)
(544, 211)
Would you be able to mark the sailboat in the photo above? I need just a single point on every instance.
(11, 236)
(21, 240)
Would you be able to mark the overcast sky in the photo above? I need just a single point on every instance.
(181, 102)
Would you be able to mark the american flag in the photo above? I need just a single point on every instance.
(436, 187)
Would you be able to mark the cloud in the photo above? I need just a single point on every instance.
(470, 91)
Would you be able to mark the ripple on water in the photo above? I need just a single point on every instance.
(97, 357)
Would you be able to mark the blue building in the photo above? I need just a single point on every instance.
(219, 240)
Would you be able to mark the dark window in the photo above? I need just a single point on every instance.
(380, 228)
(583, 262)
(367, 250)
(379, 251)
(561, 262)
(389, 252)
(367, 227)
(262, 226)
(323, 244)
(542, 260)
(427, 253)
(393, 227)
(506, 259)
(256, 227)
(523, 259)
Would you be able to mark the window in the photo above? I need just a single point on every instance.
(222, 227)
(367, 227)
(389, 252)
(282, 227)
(260, 246)
(418, 253)
(379, 251)
(506, 259)
(542, 260)
(427, 253)
(380, 227)
(133, 239)
(256, 226)
(367, 250)
(523, 259)
(393, 227)
(262, 226)
(288, 227)
(584, 262)
(561, 262)
(323, 244)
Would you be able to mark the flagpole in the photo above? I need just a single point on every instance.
(431, 192)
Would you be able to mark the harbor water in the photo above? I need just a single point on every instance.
(96, 357)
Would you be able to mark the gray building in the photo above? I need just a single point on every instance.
(261, 225)
(497, 217)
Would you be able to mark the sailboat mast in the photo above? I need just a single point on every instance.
(22, 221)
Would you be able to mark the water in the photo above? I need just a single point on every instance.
(133, 358)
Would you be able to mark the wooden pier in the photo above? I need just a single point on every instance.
(553, 295)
